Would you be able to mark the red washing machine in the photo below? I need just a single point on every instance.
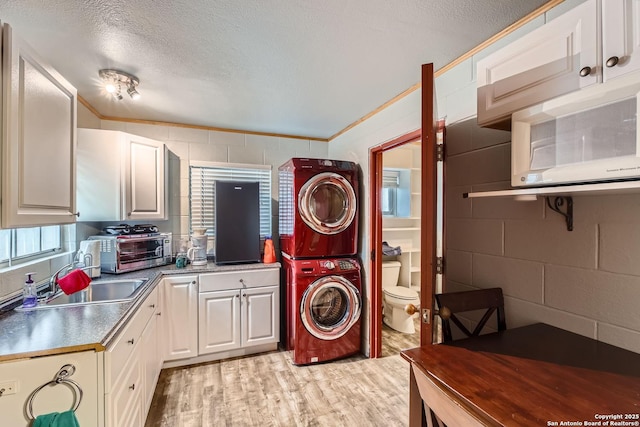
(323, 308)
(318, 206)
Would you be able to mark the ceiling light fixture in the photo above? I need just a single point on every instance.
(115, 80)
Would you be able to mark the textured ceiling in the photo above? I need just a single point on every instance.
(296, 67)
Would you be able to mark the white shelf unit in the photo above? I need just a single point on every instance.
(408, 238)
(405, 231)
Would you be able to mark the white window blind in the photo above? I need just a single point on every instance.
(25, 244)
(203, 174)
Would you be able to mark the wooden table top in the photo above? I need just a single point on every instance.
(536, 375)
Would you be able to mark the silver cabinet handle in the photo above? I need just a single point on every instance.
(132, 387)
(131, 341)
(585, 71)
(152, 306)
(612, 62)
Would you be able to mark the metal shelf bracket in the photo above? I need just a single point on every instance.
(558, 203)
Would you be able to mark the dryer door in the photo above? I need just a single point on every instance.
(329, 307)
(327, 203)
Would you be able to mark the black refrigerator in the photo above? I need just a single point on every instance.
(237, 222)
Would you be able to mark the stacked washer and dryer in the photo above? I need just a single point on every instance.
(318, 209)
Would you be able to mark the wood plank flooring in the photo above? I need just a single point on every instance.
(268, 390)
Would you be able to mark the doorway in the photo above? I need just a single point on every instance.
(397, 242)
(427, 229)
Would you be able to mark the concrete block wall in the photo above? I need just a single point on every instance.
(586, 280)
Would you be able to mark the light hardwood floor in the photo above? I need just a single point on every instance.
(268, 390)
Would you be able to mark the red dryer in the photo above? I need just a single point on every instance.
(318, 207)
(323, 308)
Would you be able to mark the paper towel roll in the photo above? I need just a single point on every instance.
(90, 255)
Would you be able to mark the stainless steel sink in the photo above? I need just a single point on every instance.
(102, 291)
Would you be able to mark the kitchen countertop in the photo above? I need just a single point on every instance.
(58, 330)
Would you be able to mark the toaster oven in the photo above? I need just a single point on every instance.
(121, 254)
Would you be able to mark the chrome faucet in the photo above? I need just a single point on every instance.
(53, 280)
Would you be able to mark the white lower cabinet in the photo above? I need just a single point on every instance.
(151, 361)
(131, 367)
(180, 317)
(219, 314)
(237, 310)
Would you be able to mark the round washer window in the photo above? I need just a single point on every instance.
(329, 308)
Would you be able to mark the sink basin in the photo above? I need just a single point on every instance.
(102, 291)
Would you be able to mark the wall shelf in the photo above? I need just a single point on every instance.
(562, 196)
(618, 187)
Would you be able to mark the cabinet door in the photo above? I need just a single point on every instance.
(260, 315)
(541, 65)
(149, 360)
(620, 37)
(39, 139)
(180, 317)
(124, 404)
(145, 179)
(219, 328)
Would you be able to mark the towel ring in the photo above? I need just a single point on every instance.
(62, 377)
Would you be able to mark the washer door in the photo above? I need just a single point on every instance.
(327, 203)
(329, 307)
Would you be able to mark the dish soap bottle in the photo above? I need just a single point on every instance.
(30, 297)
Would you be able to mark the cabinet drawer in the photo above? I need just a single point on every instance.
(119, 353)
(239, 279)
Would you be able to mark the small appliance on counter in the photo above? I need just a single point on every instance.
(88, 255)
(197, 253)
(125, 248)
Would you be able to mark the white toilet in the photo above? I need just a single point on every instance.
(395, 298)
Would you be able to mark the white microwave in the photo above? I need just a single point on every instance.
(586, 136)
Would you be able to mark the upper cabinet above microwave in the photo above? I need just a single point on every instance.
(590, 44)
(38, 138)
(121, 177)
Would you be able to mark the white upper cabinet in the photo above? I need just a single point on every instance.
(38, 139)
(587, 45)
(120, 177)
(620, 37)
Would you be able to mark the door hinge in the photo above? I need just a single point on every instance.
(439, 265)
(440, 153)
(373, 255)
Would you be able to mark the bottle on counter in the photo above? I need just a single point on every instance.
(30, 293)
(269, 251)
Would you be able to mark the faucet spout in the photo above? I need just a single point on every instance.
(53, 281)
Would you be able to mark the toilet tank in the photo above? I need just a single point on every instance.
(390, 273)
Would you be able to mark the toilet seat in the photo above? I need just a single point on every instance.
(401, 292)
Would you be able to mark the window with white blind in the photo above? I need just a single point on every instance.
(25, 244)
(201, 178)
(395, 197)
